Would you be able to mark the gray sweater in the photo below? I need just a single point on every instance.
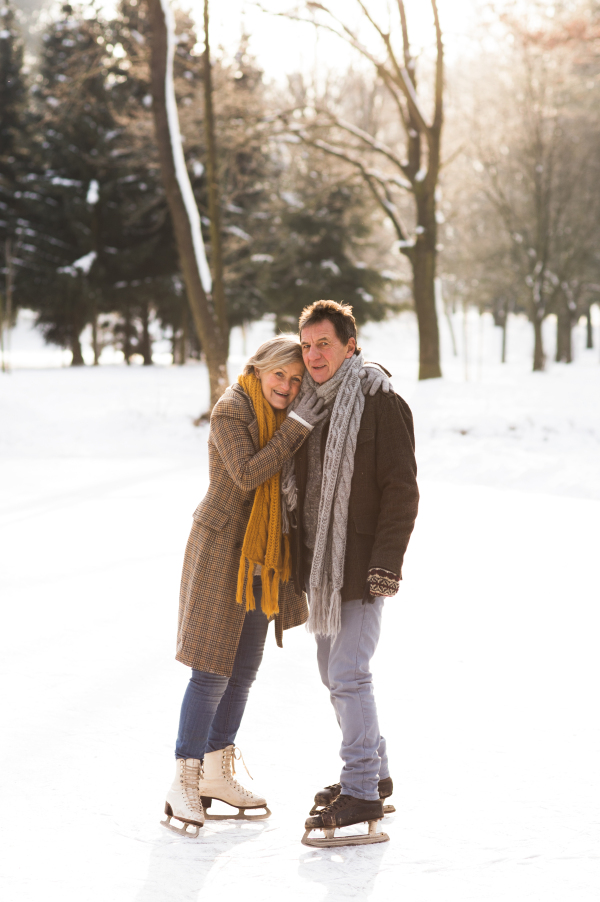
(312, 498)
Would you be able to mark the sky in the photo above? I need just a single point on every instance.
(282, 46)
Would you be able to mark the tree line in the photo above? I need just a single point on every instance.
(85, 230)
(339, 188)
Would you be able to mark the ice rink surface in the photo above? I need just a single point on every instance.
(486, 677)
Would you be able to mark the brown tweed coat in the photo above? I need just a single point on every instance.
(210, 619)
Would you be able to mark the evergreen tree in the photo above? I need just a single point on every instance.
(14, 152)
(322, 247)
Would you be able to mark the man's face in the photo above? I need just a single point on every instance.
(322, 350)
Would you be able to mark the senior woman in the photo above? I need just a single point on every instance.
(236, 574)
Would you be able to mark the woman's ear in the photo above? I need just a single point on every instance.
(257, 373)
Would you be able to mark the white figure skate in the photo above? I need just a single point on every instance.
(183, 799)
(218, 782)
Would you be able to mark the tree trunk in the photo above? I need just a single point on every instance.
(214, 195)
(182, 205)
(9, 297)
(504, 328)
(146, 343)
(127, 332)
(588, 326)
(424, 298)
(74, 289)
(184, 336)
(95, 345)
(423, 259)
(539, 358)
(77, 359)
(564, 346)
(2, 333)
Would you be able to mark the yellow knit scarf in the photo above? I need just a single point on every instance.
(264, 542)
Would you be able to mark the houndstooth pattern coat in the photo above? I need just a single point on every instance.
(210, 620)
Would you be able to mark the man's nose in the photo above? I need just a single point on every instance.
(313, 352)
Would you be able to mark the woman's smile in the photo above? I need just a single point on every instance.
(281, 386)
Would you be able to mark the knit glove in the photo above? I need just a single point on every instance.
(380, 582)
(373, 378)
(310, 409)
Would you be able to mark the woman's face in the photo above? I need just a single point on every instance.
(281, 386)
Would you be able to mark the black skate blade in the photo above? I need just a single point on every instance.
(330, 840)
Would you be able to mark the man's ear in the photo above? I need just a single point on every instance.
(351, 348)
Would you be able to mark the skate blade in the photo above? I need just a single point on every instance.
(331, 840)
(240, 816)
(182, 831)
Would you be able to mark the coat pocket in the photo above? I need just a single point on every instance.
(365, 524)
(363, 436)
(210, 516)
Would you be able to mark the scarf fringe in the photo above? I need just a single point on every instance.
(325, 617)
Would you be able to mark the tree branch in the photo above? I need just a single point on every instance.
(370, 141)
(405, 42)
(438, 115)
(350, 38)
(370, 176)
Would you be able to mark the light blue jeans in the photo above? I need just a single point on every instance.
(344, 665)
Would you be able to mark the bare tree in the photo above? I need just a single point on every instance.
(207, 306)
(537, 157)
(412, 168)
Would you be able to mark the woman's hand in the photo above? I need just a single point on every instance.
(311, 409)
(373, 378)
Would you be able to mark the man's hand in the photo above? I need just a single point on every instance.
(373, 378)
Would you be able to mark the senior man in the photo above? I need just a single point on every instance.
(352, 499)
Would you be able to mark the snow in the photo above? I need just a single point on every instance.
(82, 265)
(239, 233)
(181, 173)
(93, 194)
(486, 675)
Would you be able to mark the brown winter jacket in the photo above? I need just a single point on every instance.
(210, 619)
(384, 496)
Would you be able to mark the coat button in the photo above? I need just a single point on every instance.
(247, 503)
(238, 545)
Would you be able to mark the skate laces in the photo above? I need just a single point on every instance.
(240, 758)
(342, 801)
(229, 760)
(189, 780)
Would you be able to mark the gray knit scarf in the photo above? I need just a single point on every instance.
(327, 573)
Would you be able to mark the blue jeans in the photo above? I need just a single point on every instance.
(213, 705)
(345, 669)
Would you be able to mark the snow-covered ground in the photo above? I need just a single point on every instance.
(486, 676)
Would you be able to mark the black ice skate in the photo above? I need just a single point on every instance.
(343, 812)
(330, 793)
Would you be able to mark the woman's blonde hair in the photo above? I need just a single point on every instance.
(279, 351)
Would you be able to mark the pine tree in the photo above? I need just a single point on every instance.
(14, 152)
